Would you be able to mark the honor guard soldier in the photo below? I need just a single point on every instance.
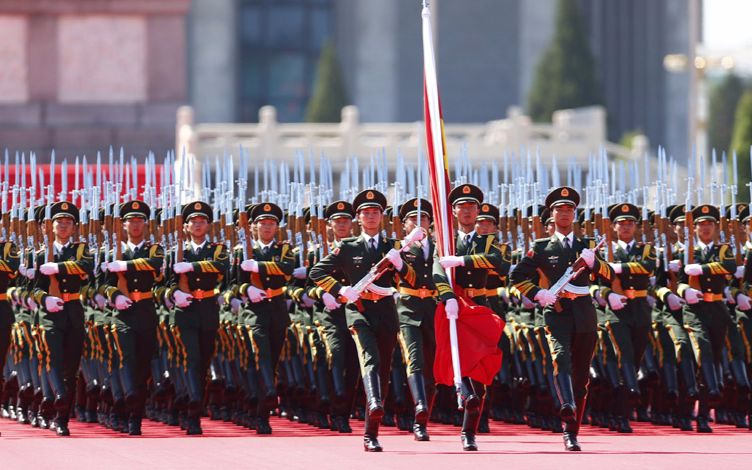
(372, 314)
(416, 305)
(194, 285)
(262, 282)
(475, 257)
(570, 317)
(9, 264)
(628, 313)
(61, 317)
(131, 281)
(702, 283)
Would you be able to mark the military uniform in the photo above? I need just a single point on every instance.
(62, 332)
(372, 319)
(135, 327)
(196, 324)
(9, 263)
(571, 322)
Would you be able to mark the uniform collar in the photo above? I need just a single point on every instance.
(196, 247)
(262, 245)
(59, 247)
(368, 238)
(627, 247)
(560, 236)
(462, 235)
(133, 247)
(703, 246)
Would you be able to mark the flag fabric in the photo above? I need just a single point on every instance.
(468, 347)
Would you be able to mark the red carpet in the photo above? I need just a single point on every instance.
(225, 446)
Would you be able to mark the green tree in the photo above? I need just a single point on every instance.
(741, 142)
(329, 94)
(723, 100)
(565, 76)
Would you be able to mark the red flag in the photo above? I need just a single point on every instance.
(478, 328)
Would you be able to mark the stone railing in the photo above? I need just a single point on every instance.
(572, 135)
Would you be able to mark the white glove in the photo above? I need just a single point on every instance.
(182, 267)
(48, 269)
(122, 302)
(307, 301)
(588, 256)
(394, 257)
(504, 294)
(616, 301)
(527, 303)
(103, 266)
(599, 298)
(101, 301)
(22, 270)
(616, 267)
(349, 293)
(451, 261)
(743, 302)
(729, 298)
(255, 294)
(30, 273)
(168, 302)
(674, 265)
(330, 302)
(53, 304)
(118, 267)
(235, 305)
(299, 273)
(692, 296)
(250, 266)
(651, 301)
(182, 299)
(739, 272)
(452, 309)
(693, 270)
(674, 301)
(545, 298)
(652, 281)
(220, 300)
(30, 304)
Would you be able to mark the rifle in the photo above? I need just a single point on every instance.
(49, 240)
(573, 271)
(379, 268)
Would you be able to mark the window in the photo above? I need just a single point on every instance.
(280, 44)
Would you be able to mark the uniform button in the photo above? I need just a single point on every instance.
(197, 279)
(708, 279)
(65, 280)
(469, 272)
(469, 285)
(425, 275)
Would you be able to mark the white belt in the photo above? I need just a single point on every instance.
(579, 290)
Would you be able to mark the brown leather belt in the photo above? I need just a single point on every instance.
(139, 296)
(70, 297)
(710, 297)
(199, 294)
(422, 292)
(571, 295)
(635, 294)
(373, 297)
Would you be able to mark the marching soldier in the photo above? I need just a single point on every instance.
(477, 256)
(9, 263)
(706, 316)
(61, 317)
(372, 314)
(415, 308)
(131, 282)
(570, 317)
(262, 281)
(194, 286)
(628, 313)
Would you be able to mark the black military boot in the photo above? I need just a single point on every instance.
(565, 393)
(134, 426)
(374, 411)
(195, 400)
(472, 404)
(418, 391)
(710, 380)
(570, 442)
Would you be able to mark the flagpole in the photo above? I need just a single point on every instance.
(438, 165)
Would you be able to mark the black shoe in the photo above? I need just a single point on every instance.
(263, 426)
(570, 442)
(622, 426)
(420, 433)
(62, 429)
(567, 413)
(371, 444)
(134, 427)
(468, 441)
(193, 426)
(685, 424)
(342, 424)
(702, 425)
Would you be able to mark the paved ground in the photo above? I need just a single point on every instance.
(296, 445)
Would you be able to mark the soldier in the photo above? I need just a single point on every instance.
(131, 282)
(628, 313)
(61, 321)
(262, 282)
(415, 308)
(194, 285)
(706, 316)
(477, 255)
(570, 317)
(372, 314)
(9, 263)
